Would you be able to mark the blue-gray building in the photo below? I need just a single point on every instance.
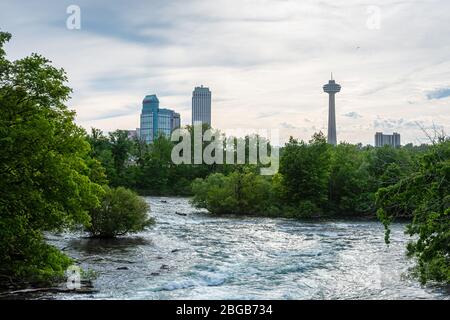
(201, 105)
(156, 121)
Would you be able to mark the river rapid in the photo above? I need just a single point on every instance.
(201, 256)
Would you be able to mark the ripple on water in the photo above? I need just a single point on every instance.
(209, 257)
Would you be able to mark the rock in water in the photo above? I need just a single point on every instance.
(122, 268)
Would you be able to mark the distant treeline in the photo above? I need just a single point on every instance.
(149, 169)
(314, 178)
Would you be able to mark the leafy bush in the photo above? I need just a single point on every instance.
(121, 211)
(241, 192)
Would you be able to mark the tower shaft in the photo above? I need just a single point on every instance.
(331, 120)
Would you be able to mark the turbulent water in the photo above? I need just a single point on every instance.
(200, 256)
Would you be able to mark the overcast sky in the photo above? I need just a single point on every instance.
(265, 61)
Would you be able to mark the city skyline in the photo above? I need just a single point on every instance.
(266, 64)
(201, 101)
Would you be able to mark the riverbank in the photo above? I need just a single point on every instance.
(370, 216)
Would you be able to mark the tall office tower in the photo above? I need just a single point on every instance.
(149, 118)
(331, 88)
(201, 105)
(156, 121)
(387, 139)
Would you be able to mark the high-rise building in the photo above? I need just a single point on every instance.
(201, 105)
(331, 88)
(387, 139)
(156, 121)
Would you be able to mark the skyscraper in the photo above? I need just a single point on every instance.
(155, 121)
(387, 139)
(201, 105)
(331, 88)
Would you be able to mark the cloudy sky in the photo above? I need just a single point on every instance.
(265, 61)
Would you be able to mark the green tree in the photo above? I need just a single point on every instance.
(156, 167)
(121, 212)
(425, 194)
(44, 168)
(241, 192)
(348, 181)
(101, 151)
(120, 150)
(306, 169)
(384, 165)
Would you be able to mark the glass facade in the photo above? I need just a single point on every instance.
(156, 121)
(165, 121)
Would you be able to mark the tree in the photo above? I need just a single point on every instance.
(121, 211)
(348, 181)
(156, 166)
(243, 191)
(120, 150)
(44, 168)
(424, 194)
(380, 164)
(101, 152)
(305, 169)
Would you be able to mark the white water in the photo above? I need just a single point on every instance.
(200, 256)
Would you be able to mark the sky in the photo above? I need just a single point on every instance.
(265, 61)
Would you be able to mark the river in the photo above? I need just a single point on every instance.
(200, 256)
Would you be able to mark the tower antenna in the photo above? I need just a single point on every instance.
(331, 75)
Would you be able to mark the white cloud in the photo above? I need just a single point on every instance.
(265, 62)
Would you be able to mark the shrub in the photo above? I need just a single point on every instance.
(121, 211)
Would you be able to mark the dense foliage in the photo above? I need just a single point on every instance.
(305, 169)
(148, 168)
(242, 191)
(121, 212)
(44, 168)
(424, 193)
(314, 179)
